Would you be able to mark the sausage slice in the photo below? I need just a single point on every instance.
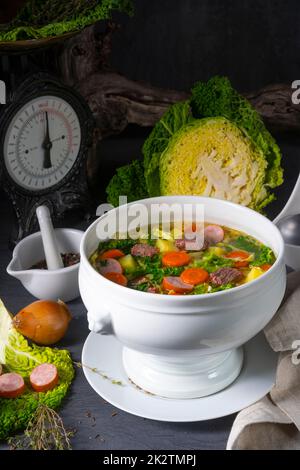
(12, 385)
(176, 284)
(109, 265)
(44, 377)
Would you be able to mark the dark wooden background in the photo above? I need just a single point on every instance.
(173, 43)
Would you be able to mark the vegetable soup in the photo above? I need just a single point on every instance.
(225, 258)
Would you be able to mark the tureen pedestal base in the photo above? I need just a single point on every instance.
(178, 377)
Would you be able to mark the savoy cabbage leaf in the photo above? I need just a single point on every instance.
(18, 356)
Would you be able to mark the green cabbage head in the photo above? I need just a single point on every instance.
(188, 153)
(213, 157)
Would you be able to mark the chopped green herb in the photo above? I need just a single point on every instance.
(200, 289)
(143, 286)
(211, 262)
(264, 256)
(153, 267)
(220, 288)
(262, 253)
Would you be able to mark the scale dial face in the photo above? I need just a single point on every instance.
(42, 143)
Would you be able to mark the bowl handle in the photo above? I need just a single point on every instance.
(98, 322)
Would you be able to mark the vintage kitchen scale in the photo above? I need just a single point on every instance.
(45, 136)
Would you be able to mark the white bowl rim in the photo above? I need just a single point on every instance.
(182, 297)
(42, 272)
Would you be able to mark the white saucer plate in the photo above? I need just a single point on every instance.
(104, 353)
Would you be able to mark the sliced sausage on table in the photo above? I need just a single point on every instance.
(44, 377)
(12, 385)
(109, 265)
(143, 250)
(225, 276)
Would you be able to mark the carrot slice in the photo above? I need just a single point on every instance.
(115, 253)
(118, 278)
(194, 276)
(241, 257)
(175, 258)
(241, 264)
(238, 254)
(265, 267)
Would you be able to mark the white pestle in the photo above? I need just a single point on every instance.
(52, 254)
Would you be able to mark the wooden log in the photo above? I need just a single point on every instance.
(274, 103)
(117, 101)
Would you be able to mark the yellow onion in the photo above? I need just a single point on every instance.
(45, 322)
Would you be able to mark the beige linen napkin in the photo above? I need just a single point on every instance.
(273, 423)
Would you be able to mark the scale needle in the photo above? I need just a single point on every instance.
(47, 146)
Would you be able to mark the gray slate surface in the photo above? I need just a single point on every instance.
(83, 409)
